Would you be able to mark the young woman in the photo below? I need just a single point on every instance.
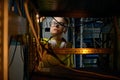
(58, 27)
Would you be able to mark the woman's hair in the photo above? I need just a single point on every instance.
(66, 19)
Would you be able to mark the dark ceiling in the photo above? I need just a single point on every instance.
(77, 8)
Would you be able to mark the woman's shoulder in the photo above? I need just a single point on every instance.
(69, 45)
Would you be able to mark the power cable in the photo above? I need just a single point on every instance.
(13, 54)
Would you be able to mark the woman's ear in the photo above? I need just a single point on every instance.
(64, 30)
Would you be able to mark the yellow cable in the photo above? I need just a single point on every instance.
(39, 48)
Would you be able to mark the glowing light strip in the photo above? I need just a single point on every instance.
(83, 50)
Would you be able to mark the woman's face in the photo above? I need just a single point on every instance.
(56, 28)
